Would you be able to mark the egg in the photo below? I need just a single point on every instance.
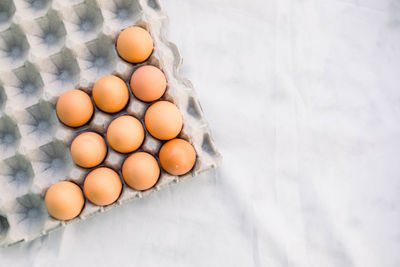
(74, 108)
(163, 120)
(88, 149)
(140, 171)
(110, 94)
(177, 156)
(148, 83)
(134, 44)
(102, 186)
(125, 134)
(64, 200)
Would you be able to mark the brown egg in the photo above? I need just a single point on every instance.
(140, 171)
(125, 134)
(102, 186)
(163, 120)
(74, 108)
(88, 149)
(177, 156)
(64, 200)
(134, 44)
(148, 83)
(110, 94)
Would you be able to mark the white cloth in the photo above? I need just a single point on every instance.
(303, 98)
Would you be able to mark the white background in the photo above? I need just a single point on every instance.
(303, 97)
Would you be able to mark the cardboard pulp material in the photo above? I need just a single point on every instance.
(48, 47)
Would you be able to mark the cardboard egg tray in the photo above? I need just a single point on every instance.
(48, 47)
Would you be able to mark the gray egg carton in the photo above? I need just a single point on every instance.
(48, 47)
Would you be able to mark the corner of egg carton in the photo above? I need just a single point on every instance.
(195, 128)
(77, 35)
(181, 92)
(197, 131)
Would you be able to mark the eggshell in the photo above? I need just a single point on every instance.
(110, 94)
(140, 171)
(64, 200)
(134, 44)
(148, 83)
(74, 108)
(177, 156)
(125, 134)
(88, 149)
(163, 120)
(102, 186)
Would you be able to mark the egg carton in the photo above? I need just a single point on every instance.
(48, 47)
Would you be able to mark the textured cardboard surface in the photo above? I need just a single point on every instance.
(48, 47)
